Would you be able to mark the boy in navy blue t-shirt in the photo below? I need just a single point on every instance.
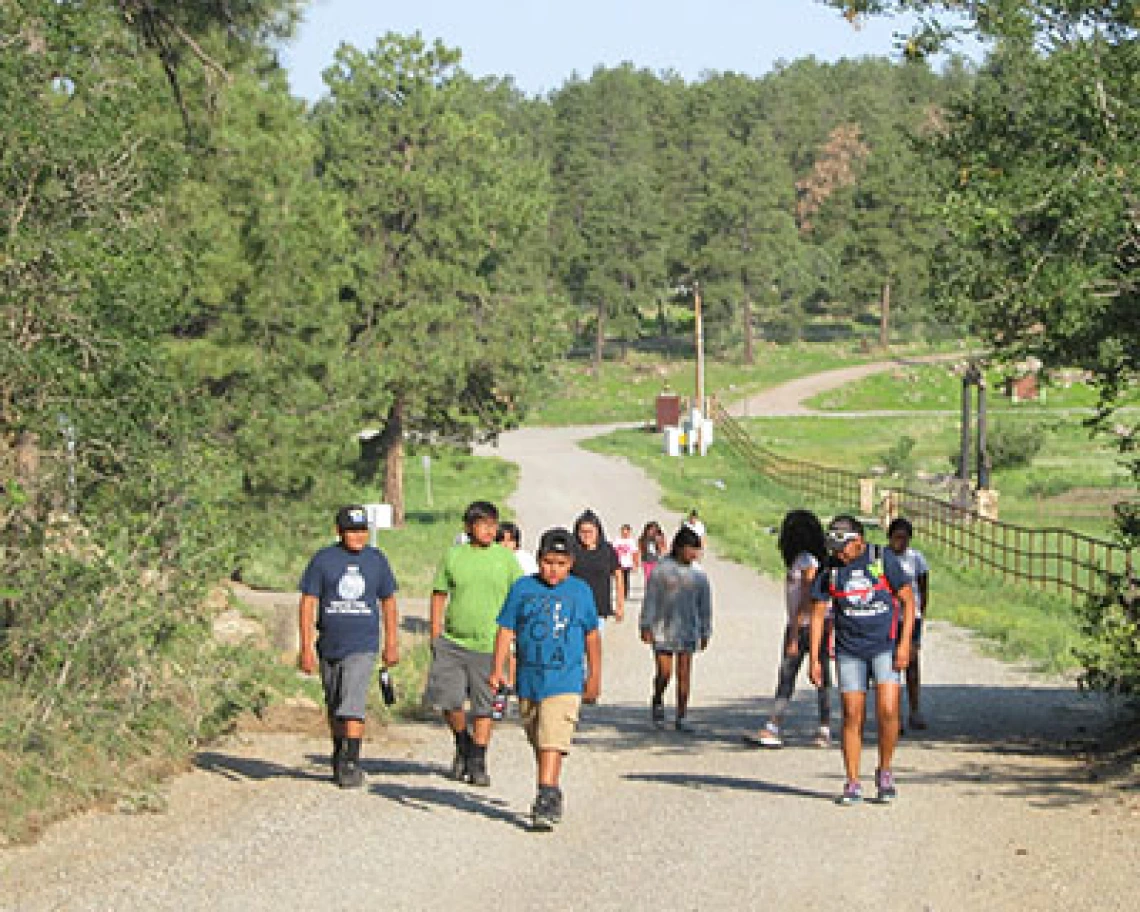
(345, 590)
(553, 622)
(874, 618)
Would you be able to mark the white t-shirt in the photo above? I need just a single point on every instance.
(914, 565)
(626, 548)
(797, 586)
(527, 562)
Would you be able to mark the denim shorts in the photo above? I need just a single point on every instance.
(856, 673)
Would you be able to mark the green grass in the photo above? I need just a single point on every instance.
(290, 536)
(1072, 483)
(743, 510)
(626, 391)
(938, 387)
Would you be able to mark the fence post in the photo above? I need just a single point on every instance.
(866, 496)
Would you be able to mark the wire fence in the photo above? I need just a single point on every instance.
(1049, 560)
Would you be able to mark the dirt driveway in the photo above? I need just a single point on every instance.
(996, 810)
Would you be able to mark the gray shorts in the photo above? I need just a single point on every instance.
(459, 674)
(346, 682)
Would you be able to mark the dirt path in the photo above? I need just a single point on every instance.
(995, 811)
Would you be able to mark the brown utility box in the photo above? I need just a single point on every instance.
(668, 411)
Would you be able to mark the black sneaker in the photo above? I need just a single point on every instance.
(477, 772)
(349, 775)
(556, 806)
(657, 714)
(458, 770)
(545, 812)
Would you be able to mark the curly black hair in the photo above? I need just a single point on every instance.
(799, 532)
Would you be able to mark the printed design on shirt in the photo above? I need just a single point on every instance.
(350, 590)
(859, 598)
(544, 620)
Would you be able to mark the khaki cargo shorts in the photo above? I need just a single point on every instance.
(549, 724)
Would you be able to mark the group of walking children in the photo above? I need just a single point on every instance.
(860, 601)
(494, 625)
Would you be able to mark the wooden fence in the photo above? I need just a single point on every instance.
(1050, 560)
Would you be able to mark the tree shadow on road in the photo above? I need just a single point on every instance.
(1032, 743)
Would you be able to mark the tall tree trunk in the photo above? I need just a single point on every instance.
(392, 445)
(749, 343)
(600, 338)
(885, 317)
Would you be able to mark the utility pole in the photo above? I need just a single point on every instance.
(700, 331)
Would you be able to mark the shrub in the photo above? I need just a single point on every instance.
(896, 458)
(1014, 444)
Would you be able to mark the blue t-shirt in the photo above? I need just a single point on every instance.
(550, 625)
(866, 617)
(349, 587)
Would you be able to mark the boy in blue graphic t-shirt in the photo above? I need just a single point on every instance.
(874, 619)
(553, 622)
(345, 590)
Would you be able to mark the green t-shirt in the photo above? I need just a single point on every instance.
(477, 581)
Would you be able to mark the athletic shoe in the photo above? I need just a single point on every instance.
(477, 772)
(545, 812)
(917, 721)
(885, 785)
(556, 806)
(769, 736)
(683, 726)
(823, 737)
(852, 794)
(657, 714)
(349, 775)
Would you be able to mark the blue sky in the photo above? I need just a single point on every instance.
(540, 43)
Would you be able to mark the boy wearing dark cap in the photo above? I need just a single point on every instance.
(553, 622)
(874, 619)
(345, 591)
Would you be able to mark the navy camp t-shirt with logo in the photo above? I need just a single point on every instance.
(349, 587)
(865, 614)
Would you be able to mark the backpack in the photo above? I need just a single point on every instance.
(879, 583)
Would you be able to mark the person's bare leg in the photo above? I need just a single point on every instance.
(456, 720)
(914, 683)
(664, 671)
(854, 709)
(887, 711)
(481, 730)
(549, 767)
(684, 679)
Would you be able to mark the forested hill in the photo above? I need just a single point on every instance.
(207, 287)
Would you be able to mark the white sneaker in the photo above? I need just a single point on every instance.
(769, 736)
(823, 737)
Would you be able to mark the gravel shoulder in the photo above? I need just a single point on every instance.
(997, 808)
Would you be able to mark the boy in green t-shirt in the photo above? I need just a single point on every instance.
(469, 589)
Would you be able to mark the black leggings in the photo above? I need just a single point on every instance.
(790, 670)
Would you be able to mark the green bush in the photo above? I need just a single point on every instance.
(897, 458)
(1014, 444)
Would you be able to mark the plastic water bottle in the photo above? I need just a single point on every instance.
(499, 704)
(387, 689)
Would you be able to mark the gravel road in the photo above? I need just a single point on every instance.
(995, 809)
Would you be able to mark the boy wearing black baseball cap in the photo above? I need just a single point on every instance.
(553, 622)
(345, 591)
(874, 619)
